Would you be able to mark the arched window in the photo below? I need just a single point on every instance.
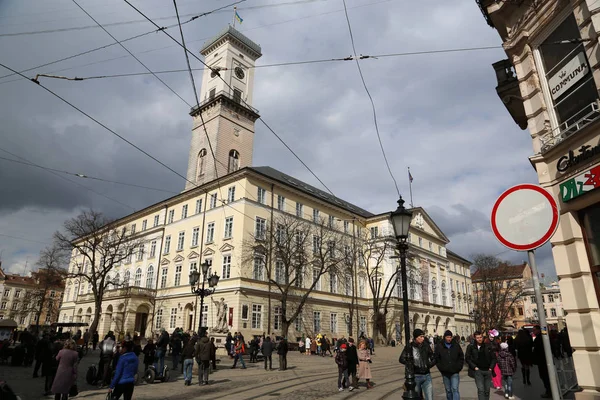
(201, 163)
(434, 290)
(109, 285)
(150, 277)
(126, 279)
(138, 278)
(443, 293)
(234, 161)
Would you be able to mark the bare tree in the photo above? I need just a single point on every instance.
(293, 254)
(94, 246)
(497, 289)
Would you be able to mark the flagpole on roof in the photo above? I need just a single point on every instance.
(234, 11)
(410, 179)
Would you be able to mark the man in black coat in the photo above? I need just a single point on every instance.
(423, 361)
(352, 357)
(267, 352)
(450, 360)
(539, 359)
(282, 350)
(481, 358)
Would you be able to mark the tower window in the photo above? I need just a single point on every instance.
(211, 94)
(201, 163)
(234, 161)
(237, 95)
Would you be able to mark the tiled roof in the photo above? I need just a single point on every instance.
(503, 271)
(236, 34)
(310, 190)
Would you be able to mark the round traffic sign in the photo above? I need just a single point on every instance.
(525, 217)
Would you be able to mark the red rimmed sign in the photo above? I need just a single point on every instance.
(525, 217)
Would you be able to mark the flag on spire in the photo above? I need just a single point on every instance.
(410, 177)
(238, 18)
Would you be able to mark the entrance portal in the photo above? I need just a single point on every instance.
(141, 319)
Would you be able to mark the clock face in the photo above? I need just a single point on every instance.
(239, 72)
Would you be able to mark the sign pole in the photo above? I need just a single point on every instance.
(542, 317)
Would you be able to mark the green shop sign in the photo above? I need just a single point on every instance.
(581, 184)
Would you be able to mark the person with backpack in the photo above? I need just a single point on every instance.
(508, 366)
(481, 358)
(450, 359)
(341, 360)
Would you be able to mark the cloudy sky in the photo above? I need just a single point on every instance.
(437, 113)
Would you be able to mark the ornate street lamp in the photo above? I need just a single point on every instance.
(197, 285)
(401, 221)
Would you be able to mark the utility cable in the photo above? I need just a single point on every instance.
(83, 176)
(362, 78)
(22, 238)
(229, 86)
(69, 180)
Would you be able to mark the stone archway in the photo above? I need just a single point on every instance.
(141, 319)
(188, 315)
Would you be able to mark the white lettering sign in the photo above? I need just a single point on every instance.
(571, 73)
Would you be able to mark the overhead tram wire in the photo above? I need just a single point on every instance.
(229, 86)
(115, 134)
(84, 176)
(69, 180)
(22, 238)
(362, 78)
(166, 47)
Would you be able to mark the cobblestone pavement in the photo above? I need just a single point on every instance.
(307, 377)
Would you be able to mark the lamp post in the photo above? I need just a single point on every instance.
(198, 287)
(401, 222)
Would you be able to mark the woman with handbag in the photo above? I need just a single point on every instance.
(66, 375)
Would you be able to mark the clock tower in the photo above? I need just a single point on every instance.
(225, 114)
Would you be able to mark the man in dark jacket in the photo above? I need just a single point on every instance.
(450, 360)
(188, 361)
(539, 359)
(42, 348)
(423, 360)
(481, 359)
(282, 350)
(202, 354)
(161, 351)
(267, 351)
(352, 356)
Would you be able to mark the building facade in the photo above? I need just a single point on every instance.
(553, 308)
(222, 221)
(549, 84)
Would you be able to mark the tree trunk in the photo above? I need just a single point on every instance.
(98, 310)
(285, 327)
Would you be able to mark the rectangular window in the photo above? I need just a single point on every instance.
(159, 317)
(279, 272)
(256, 316)
(331, 248)
(204, 321)
(237, 95)
(180, 241)
(195, 236)
(153, 248)
(140, 254)
(316, 244)
(333, 322)
(226, 267)
(3, 305)
(258, 270)
(299, 210)
(363, 325)
(163, 278)
(430, 246)
(317, 321)
(212, 93)
(260, 229)
(171, 216)
(144, 224)
(374, 232)
(213, 200)
(173, 318)
(156, 218)
(315, 215)
(277, 318)
(228, 228)
(231, 194)
(178, 275)
(209, 262)
(280, 203)
(298, 323)
(184, 211)
(198, 206)
(420, 242)
(533, 299)
(551, 298)
(210, 232)
(317, 278)
(553, 312)
(331, 221)
(7, 292)
(346, 226)
(332, 283)
(132, 229)
(245, 312)
(262, 194)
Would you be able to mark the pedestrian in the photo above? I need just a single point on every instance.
(508, 366)
(352, 356)
(161, 351)
(124, 380)
(176, 346)
(497, 375)
(524, 347)
(228, 341)
(95, 339)
(42, 348)
(50, 365)
(240, 349)
(301, 345)
(481, 359)
(202, 353)
(149, 353)
(539, 359)
(66, 373)
(188, 361)
(86, 339)
(107, 352)
(282, 350)
(267, 352)
(364, 363)
(423, 360)
(213, 353)
(307, 346)
(341, 360)
(450, 359)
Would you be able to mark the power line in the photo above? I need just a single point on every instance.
(245, 103)
(69, 180)
(83, 176)
(22, 238)
(362, 78)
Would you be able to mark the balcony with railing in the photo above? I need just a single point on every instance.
(227, 95)
(123, 292)
(583, 118)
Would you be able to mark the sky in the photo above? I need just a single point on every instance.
(437, 113)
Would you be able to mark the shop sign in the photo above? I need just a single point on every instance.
(586, 152)
(581, 184)
(571, 73)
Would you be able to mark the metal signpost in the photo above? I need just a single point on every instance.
(524, 218)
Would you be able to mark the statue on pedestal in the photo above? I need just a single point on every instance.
(221, 323)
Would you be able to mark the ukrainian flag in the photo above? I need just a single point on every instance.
(239, 19)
